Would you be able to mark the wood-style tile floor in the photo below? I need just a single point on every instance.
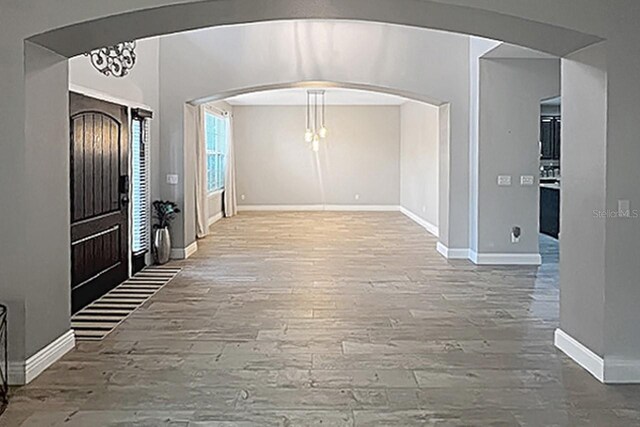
(332, 319)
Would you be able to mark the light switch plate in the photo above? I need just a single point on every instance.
(624, 208)
(527, 180)
(172, 179)
(504, 180)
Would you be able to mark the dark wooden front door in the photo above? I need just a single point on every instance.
(99, 204)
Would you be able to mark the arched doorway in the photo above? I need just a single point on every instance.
(80, 30)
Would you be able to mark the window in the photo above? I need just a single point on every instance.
(139, 189)
(216, 134)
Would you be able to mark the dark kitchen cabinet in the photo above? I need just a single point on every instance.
(550, 211)
(550, 137)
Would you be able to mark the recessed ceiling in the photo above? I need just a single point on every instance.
(298, 96)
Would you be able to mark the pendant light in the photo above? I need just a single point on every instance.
(315, 121)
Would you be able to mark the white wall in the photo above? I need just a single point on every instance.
(360, 156)
(419, 160)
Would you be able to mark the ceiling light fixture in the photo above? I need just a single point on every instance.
(315, 128)
(114, 60)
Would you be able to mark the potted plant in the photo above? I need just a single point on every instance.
(164, 212)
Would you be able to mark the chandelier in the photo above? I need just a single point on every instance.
(315, 129)
(114, 60)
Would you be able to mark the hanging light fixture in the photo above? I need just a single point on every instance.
(315, 128)
(114, 60)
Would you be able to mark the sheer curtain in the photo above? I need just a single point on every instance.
(202, 193)
(230, 201)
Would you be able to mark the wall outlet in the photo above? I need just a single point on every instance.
(242, 197)
(424, 209)
(172, 179)
(527, 180)
(357, 197)
(516, 232)
(504, 180)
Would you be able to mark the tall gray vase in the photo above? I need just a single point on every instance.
(162, 245)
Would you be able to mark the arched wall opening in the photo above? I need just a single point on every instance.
(410, 196)
(381, 154)
(40, 107)
(429, 66)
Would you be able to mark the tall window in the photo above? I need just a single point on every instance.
(216, 132)
(139, 184)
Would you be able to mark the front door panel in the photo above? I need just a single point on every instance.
(99, 204)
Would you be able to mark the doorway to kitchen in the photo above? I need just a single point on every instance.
(550, 179)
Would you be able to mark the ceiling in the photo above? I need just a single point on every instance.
(555, 102)
(298, 96)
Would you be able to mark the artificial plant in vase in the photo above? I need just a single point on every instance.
(164, 213)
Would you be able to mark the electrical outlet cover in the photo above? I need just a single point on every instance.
(527, 180)
(504, 180)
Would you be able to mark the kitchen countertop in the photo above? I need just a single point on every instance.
(551, 186)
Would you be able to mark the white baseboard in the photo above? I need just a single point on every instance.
(452, 253)
(608, 370)
(21, 373)
(217, 217)
(584, 357)
(433, 229)
(362, 208)
(305, 208)
(504, 259)
(184, 253)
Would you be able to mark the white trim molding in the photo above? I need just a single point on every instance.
(433, 229)
(452, 253)
(213, 219)
(184, 253)
(608, 370)
(21, 373)
(504, 259)
(329, 208)
(584, 357)
(92, 93)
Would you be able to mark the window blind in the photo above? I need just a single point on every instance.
(139, 187)
(216, 135)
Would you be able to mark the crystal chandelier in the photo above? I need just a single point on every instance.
(114, 60)
(315, 129)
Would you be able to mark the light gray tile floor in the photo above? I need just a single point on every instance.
(332, 319)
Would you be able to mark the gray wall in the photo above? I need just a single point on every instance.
(419, 160)
(510, 95)
(582, 249)
(361, 155)
(44, 209)
(477, 48)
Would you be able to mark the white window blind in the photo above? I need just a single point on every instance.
(139, 181)
(216, 134)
